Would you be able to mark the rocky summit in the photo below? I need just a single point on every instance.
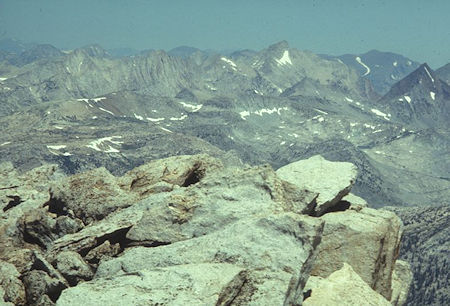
(152, 168)
(191, 230)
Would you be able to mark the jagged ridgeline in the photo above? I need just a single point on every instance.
(189, 230)
(84, 109)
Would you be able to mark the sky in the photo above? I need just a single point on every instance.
(418, 29)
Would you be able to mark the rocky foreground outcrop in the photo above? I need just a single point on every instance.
(188, 231)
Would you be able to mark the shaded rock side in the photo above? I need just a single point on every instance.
(342, 287)
(401, 282)
(368, 240)
(331, 180)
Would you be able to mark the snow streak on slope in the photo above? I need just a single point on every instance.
(285, 59)
(358, 59)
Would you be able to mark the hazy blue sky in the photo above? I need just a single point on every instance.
(418, 29)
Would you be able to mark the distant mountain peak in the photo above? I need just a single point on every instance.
(93, 50)
(279, 46)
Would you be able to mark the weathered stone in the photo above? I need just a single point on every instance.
(14, 290)
(181, 170)
(39, 228)
(401, 282)
(356, 203)
(112, 228)
(66, 225)
(72, 267)
(215, 202)
(198, 284)
(104, 251)
(3, 302)
(342, 287)
(38, 283)
(331, 180)
(282, 243)
(91, 195)
(368, 240)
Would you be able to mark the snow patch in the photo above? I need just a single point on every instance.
(348, 99)
(164, 129)
(244, 114)
(395, 64)
(429, 74)
(154, 119)
(58, 127)
(380, 113)
(408, 99)
(5, 143)
(321, 111)
(105, 110)
(230, 62)
(138, 117)
(358, 59)
(98, 99)
(352, 124)
(179, 118)
(409, 63)
(94, 117)
(282, 143)
(3, 79)
(285, 59)
(369, 126)
(102, 145)
(433, 95)
(194, 107)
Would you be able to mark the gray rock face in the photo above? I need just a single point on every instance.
(332, 181)
(13, 289)
(342, 287)
(401, 282)
(199, 284)
(369, 236)
(72, 267)
(189, 230)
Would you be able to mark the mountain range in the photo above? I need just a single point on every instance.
(88, 107)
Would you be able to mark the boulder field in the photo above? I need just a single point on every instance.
(187, 230)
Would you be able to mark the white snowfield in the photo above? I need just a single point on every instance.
(429, 74)
(262, 112)
(178, 118)
(194, 107)
(230, 62)
(107, 111)
(380, 113)
(138, 117)
(53, 148)
(155, 119)
(102, 145)
(358, 59)
(167, 130)
(285, 59)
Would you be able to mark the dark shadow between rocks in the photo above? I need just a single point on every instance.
(340, 206)
(13, 203)
(193, 178)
